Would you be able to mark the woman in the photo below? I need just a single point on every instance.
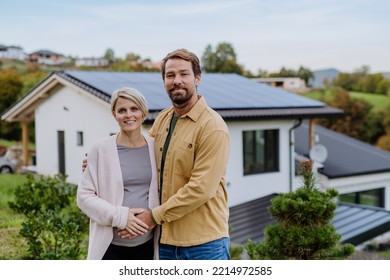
(120, 182)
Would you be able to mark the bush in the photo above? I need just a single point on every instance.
(54, 227)
(303, 230)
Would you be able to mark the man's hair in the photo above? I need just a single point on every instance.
(182, 54)
(132, 95)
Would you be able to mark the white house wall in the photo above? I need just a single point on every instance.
(71, 112)
(246, 188)
(363, 183)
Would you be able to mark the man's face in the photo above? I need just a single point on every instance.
(180, 81)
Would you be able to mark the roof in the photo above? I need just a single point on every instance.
(233, 96)
(44, 53)
(222, 91)
(320, 76)
(345, 153)
(355, 223)
(359, 223)
(248, 220)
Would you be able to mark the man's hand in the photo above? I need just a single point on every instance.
(134, 225)
(144, 217)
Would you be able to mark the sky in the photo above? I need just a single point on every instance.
(265, 34)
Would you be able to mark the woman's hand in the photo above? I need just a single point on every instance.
(134, 225)
(84, 164)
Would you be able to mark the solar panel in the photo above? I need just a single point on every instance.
(222, 91)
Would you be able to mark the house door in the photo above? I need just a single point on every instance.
(61, 151)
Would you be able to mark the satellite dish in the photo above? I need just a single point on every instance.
(318, 153)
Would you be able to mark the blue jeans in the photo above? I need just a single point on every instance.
(213, 250)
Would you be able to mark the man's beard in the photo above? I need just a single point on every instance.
(180, 98)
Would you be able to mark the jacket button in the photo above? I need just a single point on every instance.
(190, 146)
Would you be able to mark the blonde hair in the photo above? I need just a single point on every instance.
(132, 95)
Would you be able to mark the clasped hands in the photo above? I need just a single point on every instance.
(139, 222)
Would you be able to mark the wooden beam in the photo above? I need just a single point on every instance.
(25, 142)
(311, 134)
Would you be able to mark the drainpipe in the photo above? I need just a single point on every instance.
(291, 150)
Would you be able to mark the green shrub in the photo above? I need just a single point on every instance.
(236, 251)
(54, 226)
(303, 229)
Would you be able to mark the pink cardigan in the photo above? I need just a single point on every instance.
(100, 195)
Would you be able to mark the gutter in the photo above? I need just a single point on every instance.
(291, 149)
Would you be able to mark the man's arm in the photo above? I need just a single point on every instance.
(208, 170)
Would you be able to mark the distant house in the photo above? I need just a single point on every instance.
(289, 84)
(323, 77)
(92, 62)
(386, 75)
(262, 122)
(12, 52)
(47, 57)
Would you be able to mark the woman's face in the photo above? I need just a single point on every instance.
(127, 114)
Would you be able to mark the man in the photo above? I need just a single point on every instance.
(192, 150)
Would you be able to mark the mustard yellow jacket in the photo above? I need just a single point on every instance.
(194, 208)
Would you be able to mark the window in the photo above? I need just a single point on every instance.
(371, 198)
(261, 151)
(80, 138)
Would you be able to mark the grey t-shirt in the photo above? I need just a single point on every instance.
(137, 175)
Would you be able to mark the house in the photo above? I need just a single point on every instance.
(288, 83)
(91, 62)
(71, 111)
(47, 57)
(323, 77)
(12, 52)
(358, 171)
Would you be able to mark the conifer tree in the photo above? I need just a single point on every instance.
(303, 228)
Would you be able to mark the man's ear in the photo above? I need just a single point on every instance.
(197, 80)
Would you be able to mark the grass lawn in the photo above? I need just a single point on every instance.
(12, 246)
(376, 100)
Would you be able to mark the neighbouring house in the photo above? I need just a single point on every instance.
(358, 171)
(71, 111)
(91, 62)
(322, 78)
(12, 52)
(289, 83)
(47, 57)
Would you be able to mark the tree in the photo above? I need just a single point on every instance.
(209, 59)
(374, 126)
(303, 229)
(54, 228)
(10, 89)
(346, 81)
(305, 74)
(354, 121)
(109, 55)
(223, 60)
(384, 141)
